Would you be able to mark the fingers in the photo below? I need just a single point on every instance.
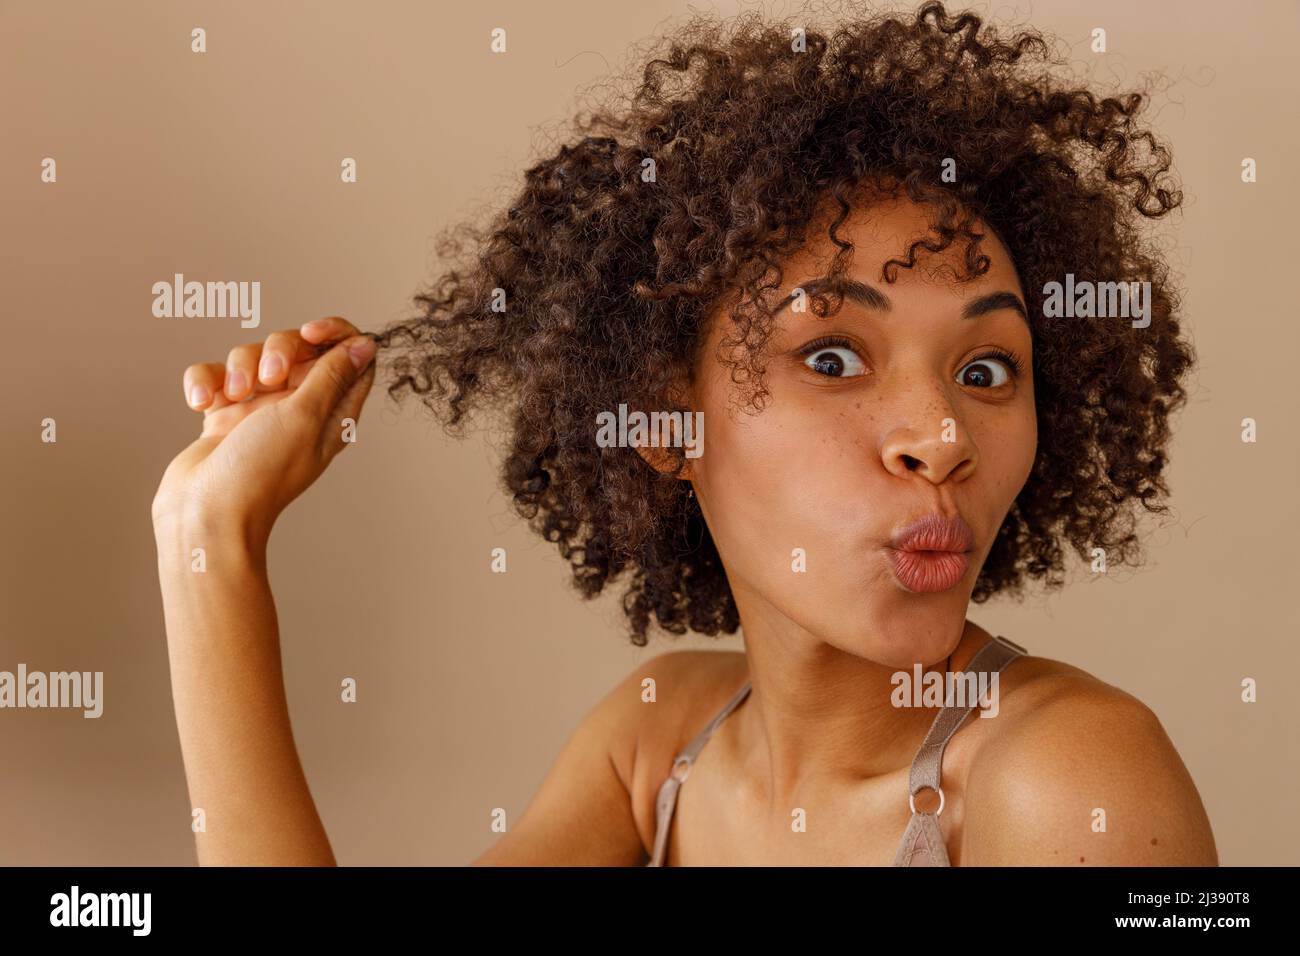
(283, 361)
(218, 421)
(298, 374)
(264, 367)
(279, 355)
(330, 329)
(204, 386)
(259, 367)
(241, 370)
(202, 382)
(332, 376)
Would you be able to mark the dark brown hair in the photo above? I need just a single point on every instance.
(609, 278)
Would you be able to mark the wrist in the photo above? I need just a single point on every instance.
(216, 590)
(195, 536)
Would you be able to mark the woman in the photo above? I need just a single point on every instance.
(835, 251)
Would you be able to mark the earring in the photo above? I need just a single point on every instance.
(690, 492)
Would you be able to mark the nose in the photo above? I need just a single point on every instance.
(931, 442)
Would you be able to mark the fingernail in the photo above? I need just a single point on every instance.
(234, 382)
(316, 324)
(269, 368)
(362, 351)
(198, 395)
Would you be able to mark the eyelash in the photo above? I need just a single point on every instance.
(1014, 361)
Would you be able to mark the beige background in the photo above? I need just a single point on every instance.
(225, 166)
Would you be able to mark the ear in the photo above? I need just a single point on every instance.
(662, 461)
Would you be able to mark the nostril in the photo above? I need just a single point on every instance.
(911, 463)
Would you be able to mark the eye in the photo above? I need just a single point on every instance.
(987, 371)
(834, 358)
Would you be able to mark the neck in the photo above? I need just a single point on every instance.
(818, 718)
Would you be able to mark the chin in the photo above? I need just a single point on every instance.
(900, 629)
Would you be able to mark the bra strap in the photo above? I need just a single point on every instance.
(922, 843)
(666, 800)
(692, 750)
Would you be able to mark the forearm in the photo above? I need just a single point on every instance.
(232, 715)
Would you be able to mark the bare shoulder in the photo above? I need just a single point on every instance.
(1080, 772)
(661, 705)
(666, 699)
(590, 809)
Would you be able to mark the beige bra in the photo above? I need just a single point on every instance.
(922, 843)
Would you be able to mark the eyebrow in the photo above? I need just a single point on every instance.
(872, 298)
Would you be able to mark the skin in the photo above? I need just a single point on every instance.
(832, 464)
(263, 443)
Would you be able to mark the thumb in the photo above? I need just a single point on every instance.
(332, 375)
(349, 407)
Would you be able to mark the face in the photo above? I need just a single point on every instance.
(905, 405)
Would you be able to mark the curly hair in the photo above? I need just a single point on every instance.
(596, 285)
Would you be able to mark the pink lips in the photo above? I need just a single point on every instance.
(931, 554)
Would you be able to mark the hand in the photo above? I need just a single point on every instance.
(273, 419)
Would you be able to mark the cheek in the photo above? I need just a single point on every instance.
(786, 465)
(1028, 441)
(750, 464)
(778, 481)
(1008, 449)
